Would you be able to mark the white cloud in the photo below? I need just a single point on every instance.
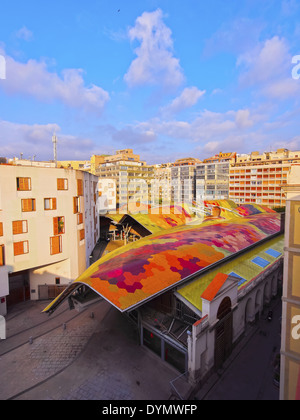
(33, 79)
(206, 127)
(268, 67)
(188, 98)
(242, 118)
(36, 140)
(265, 62)
(25, 34)
(155, 63)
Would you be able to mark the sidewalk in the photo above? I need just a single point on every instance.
(99, 358)
(248, 372)
(92, 358)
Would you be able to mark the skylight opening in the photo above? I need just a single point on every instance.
(261, 262)
(273, 253)
(241, 279)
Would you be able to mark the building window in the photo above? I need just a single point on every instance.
(50, 203)
(19, 226)
(1, 229)
(28, 204)
(81, 234)
(79, 187)
(62, 184)
(58, 225)
(21, 248)
(2, 262)
(76, 205)
(79, 218)
(55, 245)
(23, 184)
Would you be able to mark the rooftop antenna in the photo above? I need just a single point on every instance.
(54, 141)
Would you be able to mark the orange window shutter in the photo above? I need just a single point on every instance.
(1, 255)
(55, 225)
(17, 227)
(76, 204)
(79, 187)
(60, 184)
(21, 184)
(82, 234)
(80, 218)
(53, 203)
(55, 245)
(24, 205)
(18, 248)
(1, 229)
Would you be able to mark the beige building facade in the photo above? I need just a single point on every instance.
(49, 225)
(259, 178)
(124, 180)
(290, 335)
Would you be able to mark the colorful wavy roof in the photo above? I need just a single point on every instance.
(156, 220)
(141, 270)
(241, 267)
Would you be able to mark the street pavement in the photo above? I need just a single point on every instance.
(249, 372)
(95, 355)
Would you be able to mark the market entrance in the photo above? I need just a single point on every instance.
(223, 337)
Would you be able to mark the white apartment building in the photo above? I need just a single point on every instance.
(212, 181)
(49, 226)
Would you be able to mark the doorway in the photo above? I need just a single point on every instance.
(223, 333)
(19, 288)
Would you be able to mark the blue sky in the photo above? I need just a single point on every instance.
(169, 79)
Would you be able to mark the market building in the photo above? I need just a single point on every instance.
(192, 289)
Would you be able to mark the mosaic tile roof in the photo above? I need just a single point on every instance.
(241, 266)
(141, 270)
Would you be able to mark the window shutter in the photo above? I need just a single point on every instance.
(53, 203)
(18, 248)
(60, 184)
(81, 234)
(28, 204)
(23, 184)
(55, 225)
(1, 255)
(79, 187)
(79, 218)
(16, 227)
(55, 245)
(1, 229)
(76, 205)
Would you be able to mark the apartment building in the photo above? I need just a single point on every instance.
(124, 180)
(212, 177)
(49, 226)
(212, 181)
(258, 178)
(82, 165)
(161, 184)
(183, 180)
(290, 333)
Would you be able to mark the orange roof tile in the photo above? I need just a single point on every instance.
(212, 290)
